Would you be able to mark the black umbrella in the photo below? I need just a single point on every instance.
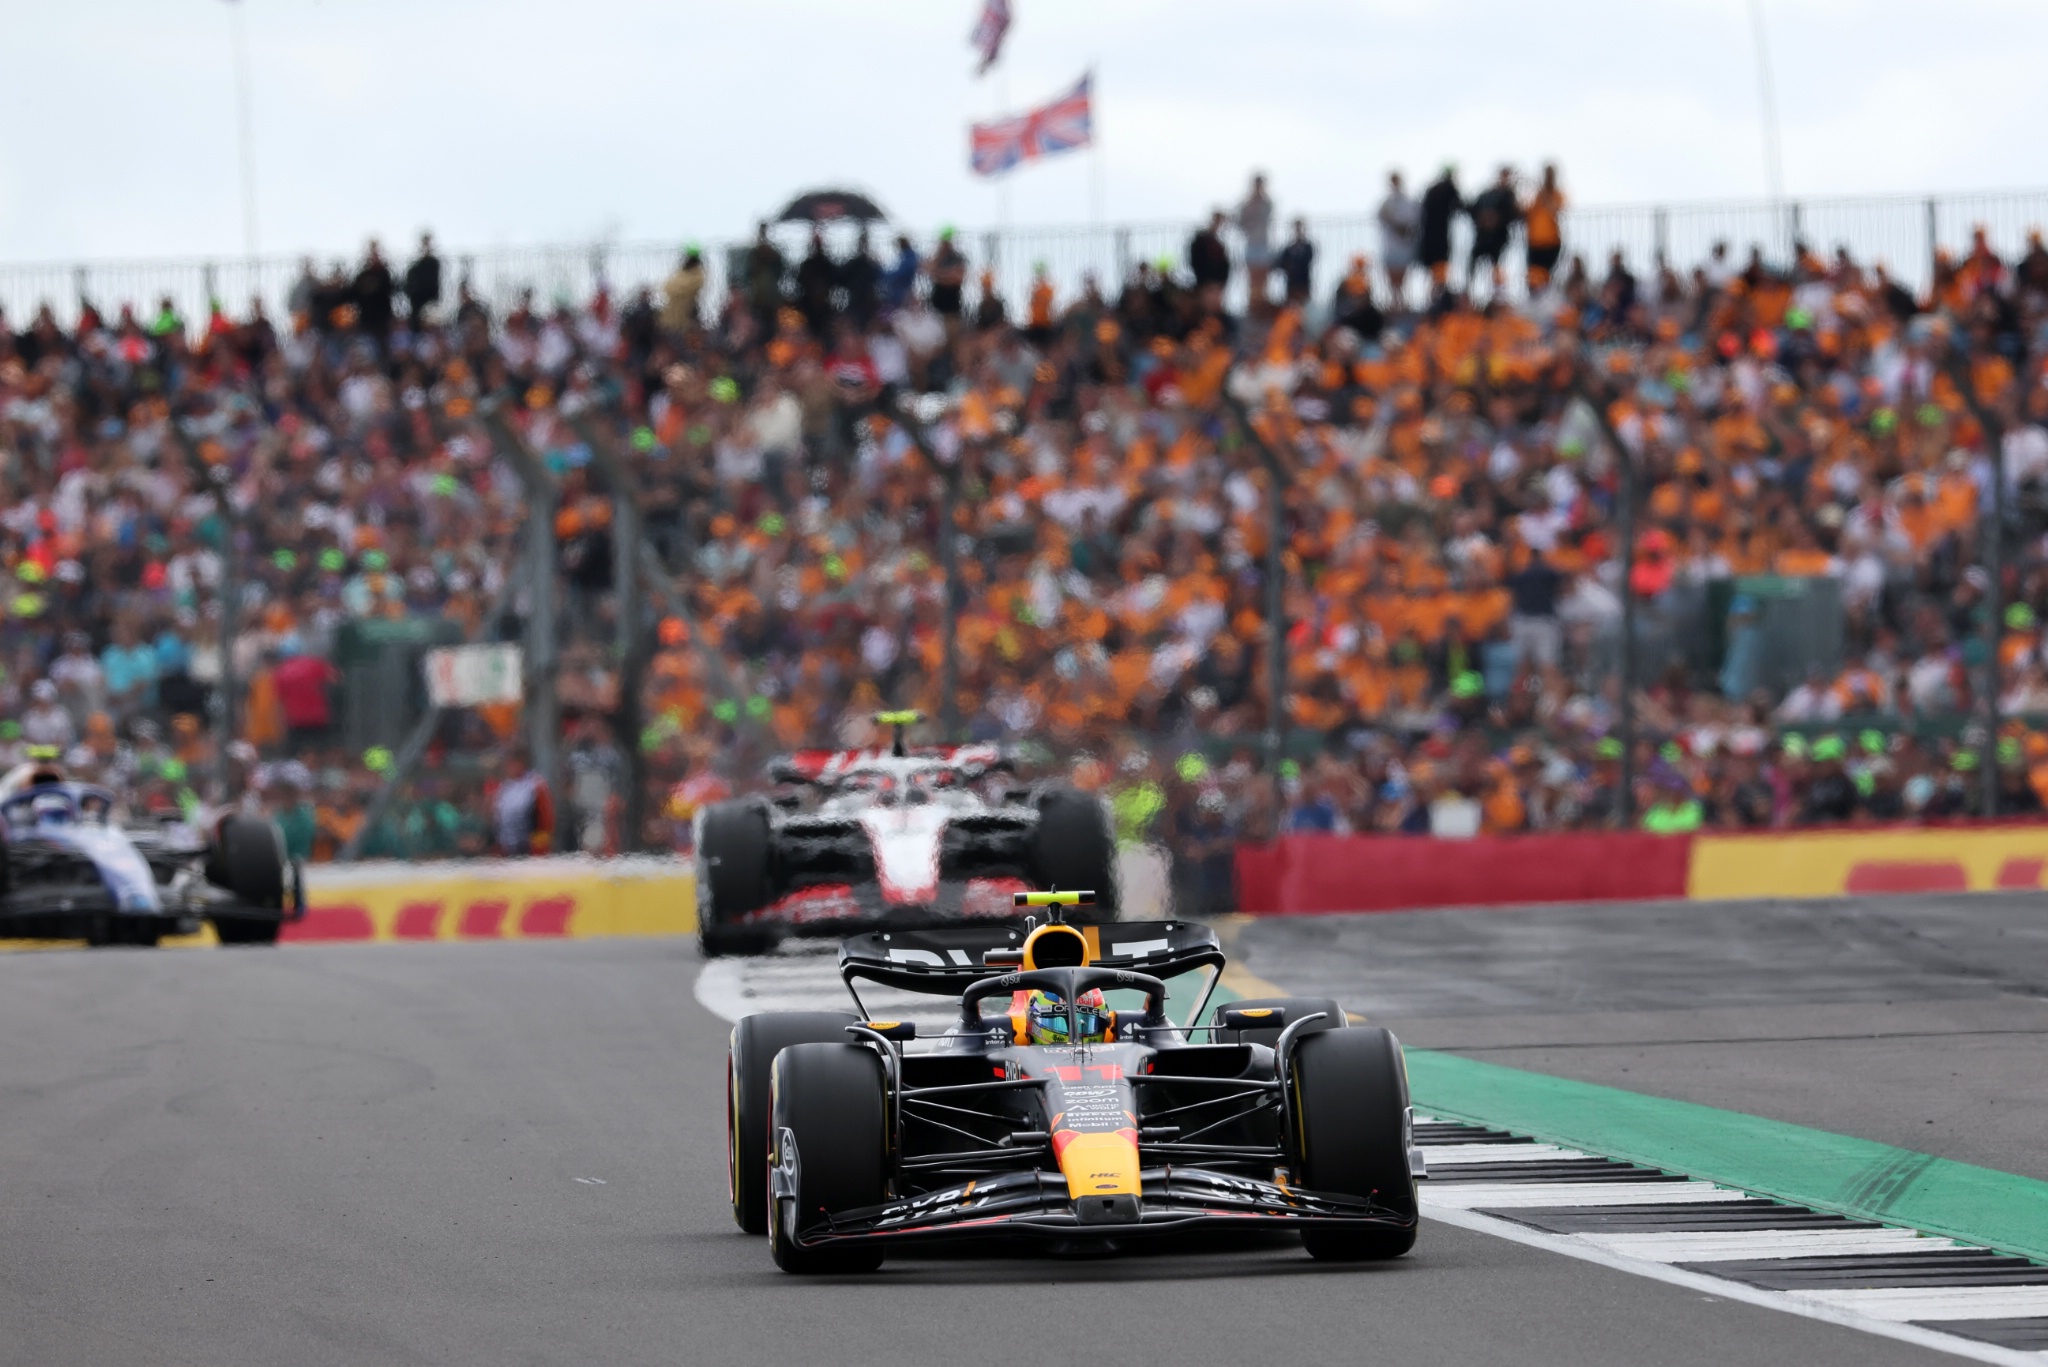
(828, 206)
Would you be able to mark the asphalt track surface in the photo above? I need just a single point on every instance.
(513, 1152)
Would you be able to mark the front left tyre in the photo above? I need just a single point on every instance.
(756, 1040)
(830, 1151)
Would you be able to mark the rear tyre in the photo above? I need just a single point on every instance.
(1292, 1009)
(830, 1135)
(1352, 1129)
(732, 880)
(1075, 850)
(756, 1040)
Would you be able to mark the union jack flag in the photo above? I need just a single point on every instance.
(1059, 126)
(989, 31)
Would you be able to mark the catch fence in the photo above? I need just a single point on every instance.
(1901, 231)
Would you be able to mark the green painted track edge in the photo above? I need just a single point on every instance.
(1834, 1172)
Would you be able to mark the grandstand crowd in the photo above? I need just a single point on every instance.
(1453, 523)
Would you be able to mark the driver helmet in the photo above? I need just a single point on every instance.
(53, 809)
(1046, 1019)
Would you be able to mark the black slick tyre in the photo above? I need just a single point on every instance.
(829, 1128)
(756, 1040)
(1351, 1135)
(1075, 850)
(248, 859)
(733, 880)
(1290, 1009)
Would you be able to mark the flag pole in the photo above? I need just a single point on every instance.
(1002, 87)
(1095, 212)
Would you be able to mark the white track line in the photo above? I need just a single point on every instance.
(1939, 1302)
(1738, 1245)
(1468, 1195)
(1454, 1155)
(1807, 1305)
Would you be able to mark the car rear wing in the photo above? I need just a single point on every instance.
(827, 767)
(946, 960)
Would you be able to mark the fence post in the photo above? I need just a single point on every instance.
(1933, 235)
(1123, 262)
(209, 283)
(1798, 227)
(230, 624)
(542, 713)
(1278, 478)
(1662, 220)
(79, 278)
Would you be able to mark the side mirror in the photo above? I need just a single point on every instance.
(1254, 1017)
(898, 1031)
(1003, 958)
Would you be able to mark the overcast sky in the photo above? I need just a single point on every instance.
(499, 122)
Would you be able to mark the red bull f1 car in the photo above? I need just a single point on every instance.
(897, 837)
(1062, 1104)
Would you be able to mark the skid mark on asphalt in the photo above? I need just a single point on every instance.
(1895, 1282)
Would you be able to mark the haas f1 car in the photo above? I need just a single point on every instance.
(1050, 1109)
(72, 867)
(895, 837)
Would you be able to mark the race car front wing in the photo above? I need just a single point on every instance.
(1036, 1203)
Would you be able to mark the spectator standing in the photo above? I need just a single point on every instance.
(817, 276)
(1297, 263)
(522, 809)
(1533, 625)
(860, 275)
(681, 292)
(46, 722)
(899, 282)
(949, 279)
(303, 681)
(130, 670)
(765, 269)
(423, 282)
(1400, 235)
(1255, 221)
(1208, 258)
(1543, 233)
(372, 290)
(1494, 215)
(300, 301)
(1441, 205)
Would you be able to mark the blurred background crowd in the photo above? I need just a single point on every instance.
(1801, 503)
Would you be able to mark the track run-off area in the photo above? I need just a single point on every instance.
(1686, 1132)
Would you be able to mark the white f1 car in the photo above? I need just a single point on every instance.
(73, 866)
(851, 839)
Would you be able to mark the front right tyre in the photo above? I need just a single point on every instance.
(830, 1148)
(756, 1040)
(1351, 1134)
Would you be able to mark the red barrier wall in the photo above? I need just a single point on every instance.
(1308, 873)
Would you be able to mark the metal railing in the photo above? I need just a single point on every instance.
(1902, 231)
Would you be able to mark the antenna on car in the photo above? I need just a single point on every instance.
(1055, 903)
(900, 721)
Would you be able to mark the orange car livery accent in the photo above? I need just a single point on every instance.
(1100, 1164)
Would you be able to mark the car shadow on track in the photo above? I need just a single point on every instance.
(996, 1263)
